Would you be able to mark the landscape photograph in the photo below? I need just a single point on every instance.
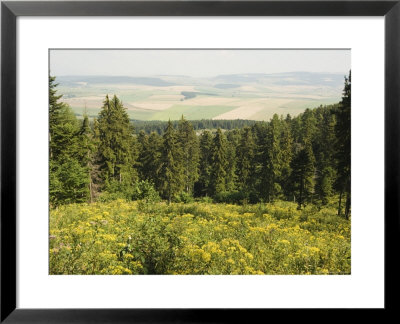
(199, 162)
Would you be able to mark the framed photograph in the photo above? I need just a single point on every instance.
(186, 161)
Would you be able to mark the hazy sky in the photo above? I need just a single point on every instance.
(196, 63)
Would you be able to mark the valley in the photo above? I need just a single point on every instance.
(236, 96)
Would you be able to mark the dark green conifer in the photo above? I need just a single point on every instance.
(303, 175)
(69, 176)
(189, 146)
(246, 160)
(219, 163)
(171, 170)
(116, 143)
(203, 185)
(343, 146)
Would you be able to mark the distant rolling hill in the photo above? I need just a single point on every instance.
(290, 78)
(93, 80)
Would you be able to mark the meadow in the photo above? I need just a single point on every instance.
(139, 237)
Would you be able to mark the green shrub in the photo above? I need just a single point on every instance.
(184, 197)
(230, 197)
(144, 190)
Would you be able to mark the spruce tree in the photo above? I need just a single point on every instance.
(219, 163)
(63, 126)
(143, 144)
(95, 163)
(308, 127)
(149, 157)
(325, 155)
(232, 141)
(87, 151)
(343, 146)
(273, 159)
(286, 143)
(203, 185)
(303, 175)
(190, 153)
(116, 143)
(171, 168)
(245, 160)
(69, 177)
(261, 156)
(153, 158)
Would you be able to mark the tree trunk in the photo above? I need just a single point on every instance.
(340, 203)
(51, 152)
(90, 177)
(91, 191)
(301, 193)
(347, 210)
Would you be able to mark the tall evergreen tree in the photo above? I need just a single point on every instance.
(246, 160)
(296, 129)
(219, 163)
(273, 159)
(87, 151)
(171, 168)
(286, 143)
(303, 175)
(203, 185)
(95, 163)
(325, 155)
(261, 156)
(343, 146)
(232, 141)
(190, 153)
(153, 158)
(69, 176)
(149, 157)
(308, 127)
(116, 142)
(63, 126)
(143, 160)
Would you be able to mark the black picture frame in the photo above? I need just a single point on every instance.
(10, 10)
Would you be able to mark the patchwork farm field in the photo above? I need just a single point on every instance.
(120, 237)
(254, 97)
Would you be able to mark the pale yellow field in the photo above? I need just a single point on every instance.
(211, 101)
(248, 88)
(89, 102)
(152, 105)
(177, 88)
(254, 107)
(167, 97)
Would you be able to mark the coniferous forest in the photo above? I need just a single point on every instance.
(203, 197)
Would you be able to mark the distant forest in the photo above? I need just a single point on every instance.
(159, 126)
(305, 159)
